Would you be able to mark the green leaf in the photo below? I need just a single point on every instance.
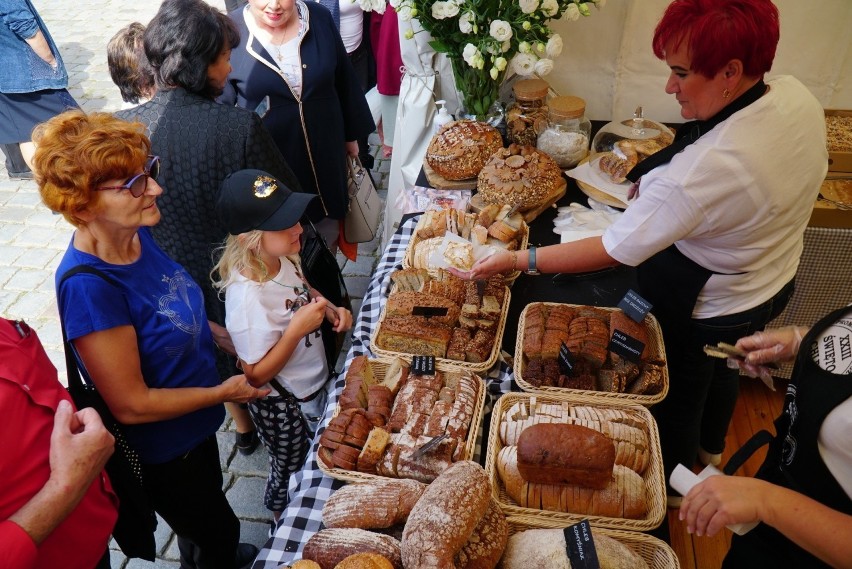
(439, 46)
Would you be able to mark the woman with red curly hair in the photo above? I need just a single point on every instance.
(716, 230)
(139, 329)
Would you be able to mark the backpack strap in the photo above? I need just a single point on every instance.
(71, 367)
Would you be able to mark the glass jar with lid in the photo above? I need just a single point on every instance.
(566, 137)
(527, 116)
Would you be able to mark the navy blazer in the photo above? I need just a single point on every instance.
(310, 130)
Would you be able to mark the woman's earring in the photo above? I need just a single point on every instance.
(726, 94)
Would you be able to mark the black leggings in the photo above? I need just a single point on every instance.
(187, 493)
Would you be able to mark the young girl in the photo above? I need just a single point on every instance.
(273, 316)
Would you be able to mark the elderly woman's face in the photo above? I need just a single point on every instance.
(119, 208)
(699, 97)
(272, 13)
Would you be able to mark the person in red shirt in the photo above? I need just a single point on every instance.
(57, 506)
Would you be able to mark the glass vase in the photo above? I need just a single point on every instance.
(479, 94)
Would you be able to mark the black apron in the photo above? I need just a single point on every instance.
(793, 460)
(669, 280)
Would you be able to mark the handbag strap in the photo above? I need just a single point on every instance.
(71, 366)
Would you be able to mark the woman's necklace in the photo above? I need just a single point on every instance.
(303, 295)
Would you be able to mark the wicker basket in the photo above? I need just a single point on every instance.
(654, 478)
(656, 553)
(408, 258)
(379, 369)
(657, 348)
(474, 367)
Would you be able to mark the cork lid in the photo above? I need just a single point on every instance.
(567, 107)
(530, 89)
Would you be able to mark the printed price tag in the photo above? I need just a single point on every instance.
(429, 311)
(626, 346)
(635, 306)
(580, 546)
(566, 361)
(423, 365)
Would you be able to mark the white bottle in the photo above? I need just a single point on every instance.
(442, 117)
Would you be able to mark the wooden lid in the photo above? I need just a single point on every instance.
(530, 89)
(567, 107)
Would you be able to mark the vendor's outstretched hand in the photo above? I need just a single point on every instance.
(498, 262)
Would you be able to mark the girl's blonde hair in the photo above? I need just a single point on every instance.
(241, 254)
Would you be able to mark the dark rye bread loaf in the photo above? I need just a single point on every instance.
(556, 453)
(445, 516)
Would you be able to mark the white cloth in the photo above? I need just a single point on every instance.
(256, 317)
(351, 24)
(736, 201)
(428, 77)
(833, 352)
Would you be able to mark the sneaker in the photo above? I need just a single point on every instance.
(247, 442)
(708, 458)
(25, 175)
(246, 554)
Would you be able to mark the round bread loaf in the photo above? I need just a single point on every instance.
(519, 175)
(460, 149)
(365, 561)
(305, 564)
(329, 547)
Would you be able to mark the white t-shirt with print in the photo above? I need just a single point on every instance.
(256, 315)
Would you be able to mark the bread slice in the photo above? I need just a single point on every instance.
(371, 454)
(395, 375)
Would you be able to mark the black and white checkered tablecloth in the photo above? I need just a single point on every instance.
(310, 488)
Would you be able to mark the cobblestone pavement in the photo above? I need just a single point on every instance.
(33, 239)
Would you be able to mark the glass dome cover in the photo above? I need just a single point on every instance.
(637, 128)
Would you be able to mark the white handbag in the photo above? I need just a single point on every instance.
(365, 205)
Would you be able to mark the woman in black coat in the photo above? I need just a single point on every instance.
(291, 66)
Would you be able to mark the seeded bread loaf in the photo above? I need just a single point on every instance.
(412, 336)
(460, 149)
(519, 175)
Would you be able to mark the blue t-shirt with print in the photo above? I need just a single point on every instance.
(166, 308)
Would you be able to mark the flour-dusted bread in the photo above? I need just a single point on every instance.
(519, 175)
(376, 504)
(329, 547)
(546, 548)
(445, 516)
(487, 542)
(460, 149)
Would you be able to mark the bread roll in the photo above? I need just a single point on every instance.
(365, 561)
(445, 516)
(329, 547)
(546, 548)
(553, 453)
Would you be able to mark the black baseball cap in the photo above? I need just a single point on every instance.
(254, 199)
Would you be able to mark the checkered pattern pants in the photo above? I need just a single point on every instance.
(282, 429)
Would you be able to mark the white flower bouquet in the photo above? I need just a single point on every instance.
(485, 38)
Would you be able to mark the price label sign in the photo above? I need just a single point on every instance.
(626, 346)
(634, 306)
(580, 546)
(429, 311)
(566, 361)
(423, 365)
